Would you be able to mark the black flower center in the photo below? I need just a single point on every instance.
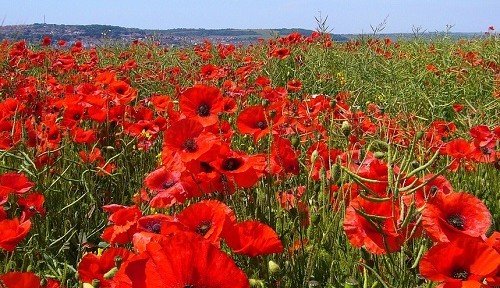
(457, 221)
(485, 151)
(154, 227)
(261, 125)
(231, 164)
(205, 167)
(460, 274)
(204, 110)
(203, 228)
(434, 189)
(190, 145)
(167, 184)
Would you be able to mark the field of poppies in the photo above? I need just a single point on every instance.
(293, 162)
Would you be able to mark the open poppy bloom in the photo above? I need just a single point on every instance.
(455, 215)
(252, 238)
(15, 182)
(257, 120)
(372, 225)
(188, 139)
(464, 262)
(183, 260)
(245, 170)
(97, 266)
(19, 280)
(202, 103)
(31, 205)
(207, 218)
(124, 225)
(12, 232)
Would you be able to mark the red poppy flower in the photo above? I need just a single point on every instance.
(72, 116)
(15, 182)
(464, 262)
(166, 187)
(245, 170)
(183, 260)
(12, 232)
(81, 136)
(253, 120)
(121, 92)
(283, 157)
(455, 215)
(202, 103)
(458, 148)
(294, 85)
(252, 238)
(188, 138)
(124, 225)
(93, 156)
(435, 184)
(262, 81)
(372, 225)
(207, 218)
(31, 205)
(280, 53)
(94, 267)
(19, 280)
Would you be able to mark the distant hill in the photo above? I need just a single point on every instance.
(98, 34)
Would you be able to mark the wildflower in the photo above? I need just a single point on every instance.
(183, 260)
(202, 103)
(455, 215)
(464, 262)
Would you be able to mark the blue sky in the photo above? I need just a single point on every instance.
(344, 16)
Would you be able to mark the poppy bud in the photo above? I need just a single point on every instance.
(314, 156)
(273, 267)
(315, 218)
(295, 142)
(335, 173)
(95, 283)
(415, 164)
(333, 103)
(346, 128)
(272, 113)
(256, 283)
(379, 155)
(419, 135)
(110, 274)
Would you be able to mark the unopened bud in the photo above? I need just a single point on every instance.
(314, 156)
(333, 103)
(111, 273)
(256, 283)
(346, 128)
(419, 135)
(272, 113)
(379, 155)
(273, 267)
